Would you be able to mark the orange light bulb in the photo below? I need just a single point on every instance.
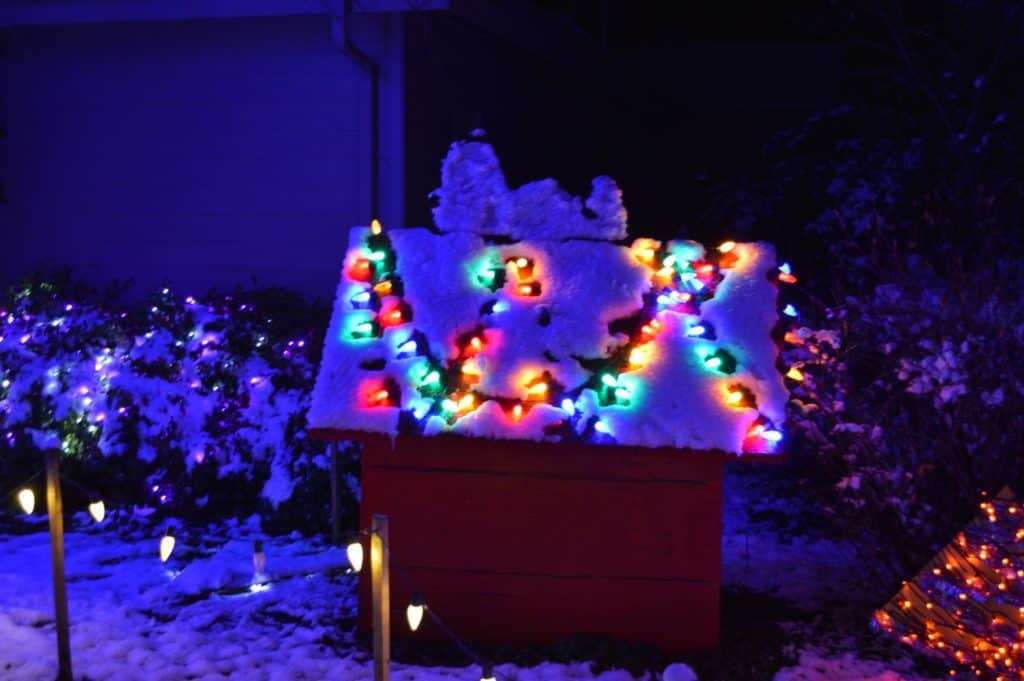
(529, 289)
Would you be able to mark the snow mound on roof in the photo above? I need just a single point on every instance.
(474, 197)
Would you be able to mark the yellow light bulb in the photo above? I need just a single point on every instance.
(354, 552)
(795, 374)
(640, 356)
(538, 389)
(27, 499)
(726, 246)
(645, 250)
(517, 412)
(98, 511)
(414, 613)
(735, 397)
(466, 402)
(166, 546)
(375, 226)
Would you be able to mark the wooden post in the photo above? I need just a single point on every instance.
(381, 587)
(335, 496)
(55, 510)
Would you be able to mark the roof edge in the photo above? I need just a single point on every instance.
(25, 13)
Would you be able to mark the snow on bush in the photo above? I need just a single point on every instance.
(184, 389)
(909, 399)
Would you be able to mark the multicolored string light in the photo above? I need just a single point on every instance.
(448, 388)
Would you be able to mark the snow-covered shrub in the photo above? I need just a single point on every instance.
(176, 403)
(905, 217)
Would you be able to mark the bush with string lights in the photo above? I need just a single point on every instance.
(183, 404)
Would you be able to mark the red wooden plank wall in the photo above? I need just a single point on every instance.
(528, 543)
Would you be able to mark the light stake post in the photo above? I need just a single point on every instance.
(55, 510)
(380, 586)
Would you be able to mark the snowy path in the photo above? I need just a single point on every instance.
(134, 618)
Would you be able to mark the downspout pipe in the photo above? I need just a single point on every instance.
(342, 38)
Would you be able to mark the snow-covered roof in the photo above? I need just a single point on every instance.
(524, 318)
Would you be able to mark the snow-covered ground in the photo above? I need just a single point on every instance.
(199, 617)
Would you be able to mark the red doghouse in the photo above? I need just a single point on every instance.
(545, 409)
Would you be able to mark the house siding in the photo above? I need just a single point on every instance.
(200, 153)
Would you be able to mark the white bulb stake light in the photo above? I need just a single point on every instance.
(98, 510)
(354, 552)
(414, 612)
(166, 545)
(27, 500)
